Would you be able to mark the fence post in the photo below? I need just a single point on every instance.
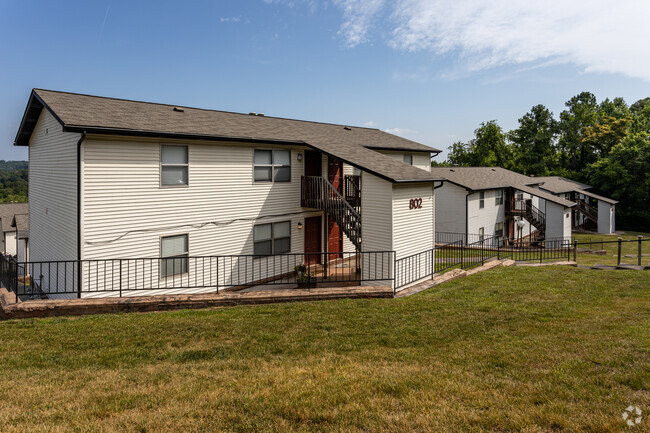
(640, 240)
(540, 252)
(394, 254)
(120, 278)
(575, 251)
(16, 279)
(217, 275)
(462, 255)
(620, 243)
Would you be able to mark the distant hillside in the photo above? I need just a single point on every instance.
(13, 181)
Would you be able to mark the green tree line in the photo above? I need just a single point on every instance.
(13, 181)
(605, 145)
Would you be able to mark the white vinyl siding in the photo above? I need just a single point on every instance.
(377, 223)
(126, 212)
(10, 243)
(487, 216)
(413, 229)
(606, 224)
(450, 208)
(52, 191)
(419, 159)
(558, 225)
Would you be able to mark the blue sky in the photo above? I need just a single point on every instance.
(427, 70)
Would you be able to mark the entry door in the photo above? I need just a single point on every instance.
(334, 235)
(312, 240)
(313, 163)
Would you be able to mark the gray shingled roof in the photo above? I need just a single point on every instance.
(481, 178)
(352, 144)
(559, 185)
(21, 223)
(7, 213)
(478, 178)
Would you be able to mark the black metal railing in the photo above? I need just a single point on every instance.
(526, 250)
(352, 191)
(457, 254)
(318, 193)
(587, 210)
(209, 274)
(443, 238)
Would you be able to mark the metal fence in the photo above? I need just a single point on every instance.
(640, 243)
(207, 274)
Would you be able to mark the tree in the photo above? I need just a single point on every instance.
(534, 141)
(581, 113)
(488, 148)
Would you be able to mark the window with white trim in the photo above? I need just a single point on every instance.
(408, 158)
(272, 165)
(498, 229)
(270, 239)
(481, 234)
(519, 196)
(499, 197)
(481, 200)
(174, 165)
(174, 252)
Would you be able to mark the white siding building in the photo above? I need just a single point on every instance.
(491, 201)
(592, 212)
(112, 180)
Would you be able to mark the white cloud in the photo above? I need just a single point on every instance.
(230, 19)
(358, 16)
(597, 35)
(369, 124)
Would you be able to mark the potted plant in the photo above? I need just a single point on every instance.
(304, 278)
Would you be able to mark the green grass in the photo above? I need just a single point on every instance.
(612, 249)
(513, 349)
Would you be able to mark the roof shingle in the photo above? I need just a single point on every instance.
(96, 114)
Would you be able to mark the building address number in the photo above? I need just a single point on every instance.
(415, 203)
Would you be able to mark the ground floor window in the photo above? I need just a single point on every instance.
(498, 229)
(274, 238)
(481, 234)
(174, 251)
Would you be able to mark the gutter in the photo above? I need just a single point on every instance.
(81, 139)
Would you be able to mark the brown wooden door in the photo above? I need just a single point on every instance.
(312, 240)
(334, 235)
(313, 163)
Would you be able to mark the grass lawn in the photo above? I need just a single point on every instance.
(513, 349)
(612, 249)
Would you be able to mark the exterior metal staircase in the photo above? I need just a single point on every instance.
(587, 210)
(537, 218)
(318, 193)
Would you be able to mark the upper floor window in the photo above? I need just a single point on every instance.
(499, 197)
(173, 165)
(174, 252)
(269, 239)
(498, 229)
(481, 200)
(519, 196)
(408, 158)
(272, 165)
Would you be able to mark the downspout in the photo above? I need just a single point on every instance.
(81, 139)
(433, 212)
(467, 215)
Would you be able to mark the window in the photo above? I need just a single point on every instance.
(519, 196)
(408, 158)
(498, 229)
(173, 165)
(481, 234)
(356, 171)
(481, 200)
(174, 252)
(499, 197)
(272, 165)
(271, 239)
